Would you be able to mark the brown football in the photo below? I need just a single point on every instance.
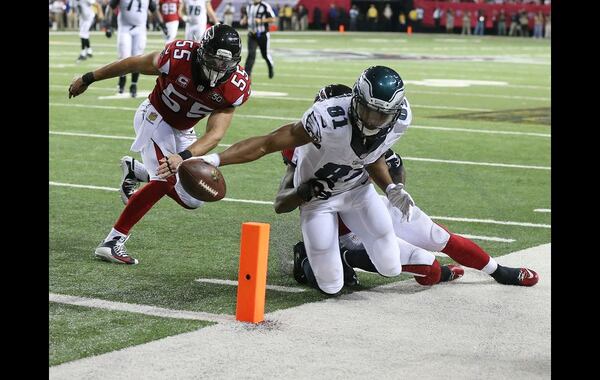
(202, 180)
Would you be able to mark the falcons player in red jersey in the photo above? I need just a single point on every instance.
(195, 80)
(170, 10)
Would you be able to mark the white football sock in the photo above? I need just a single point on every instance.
(113, 233)
(140, 172)
(490, 267)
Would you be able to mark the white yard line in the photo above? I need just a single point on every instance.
(484, 131)
(472, 220)
(141, 309)
(492, 164)
(62, 184)
(542, 210)
(287, 289)
(77, 134)
(488, 238)
(143, 94)
(477, 163)
(446, 129)
(491, 221)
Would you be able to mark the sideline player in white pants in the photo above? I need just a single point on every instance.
(86, 17)
(131, 37)
(195, 18)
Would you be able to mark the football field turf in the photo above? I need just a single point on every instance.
(477, 158)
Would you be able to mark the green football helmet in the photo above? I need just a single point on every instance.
(377, 99)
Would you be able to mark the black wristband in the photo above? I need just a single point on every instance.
(185, 154)
(88, 78)
(304, 191)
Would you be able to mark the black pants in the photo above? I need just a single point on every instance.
(262, 41)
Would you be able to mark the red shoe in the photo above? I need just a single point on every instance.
(456, 272)
(527, 277)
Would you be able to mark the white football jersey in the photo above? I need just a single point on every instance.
(196, 11)
(133, 12)
(332, 156)
(84, 8)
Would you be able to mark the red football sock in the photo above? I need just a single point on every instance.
(342, 229)
(140, 203)
(432, 273)
(465, 252)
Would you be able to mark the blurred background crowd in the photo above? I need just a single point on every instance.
(522, 18)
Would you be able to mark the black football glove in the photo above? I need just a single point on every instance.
(314, 188)
(108, 32)
(164, 29)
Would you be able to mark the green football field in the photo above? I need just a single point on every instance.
(477, 160)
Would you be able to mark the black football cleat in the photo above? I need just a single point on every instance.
(515, 276)
(350, 276)
(299, 257)
(114, 251)
(455, 272)
(129, 182)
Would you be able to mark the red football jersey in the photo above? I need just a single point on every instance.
(168, 10)
(179, 100)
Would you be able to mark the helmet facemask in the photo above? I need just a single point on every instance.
(219, 54)
(376, 105)
(216, 66)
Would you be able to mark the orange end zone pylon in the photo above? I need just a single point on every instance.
(252, 275)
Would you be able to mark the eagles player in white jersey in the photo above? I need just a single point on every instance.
(86, 17)
(341, 143)
(195, 12)
(418, 233)
(131, 37)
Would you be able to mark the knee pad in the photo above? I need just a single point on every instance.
(439, 236)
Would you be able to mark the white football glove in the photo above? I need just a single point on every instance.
(185, 18)
(212, 159)
(401, 199)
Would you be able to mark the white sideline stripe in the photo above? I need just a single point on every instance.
(477, 163)
(491, 221)
(287, 289)
(141, 309)
(542, 210)
(115, 189)
(486, 131)
(487, 221)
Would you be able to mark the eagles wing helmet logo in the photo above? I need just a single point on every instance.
(312, 128)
